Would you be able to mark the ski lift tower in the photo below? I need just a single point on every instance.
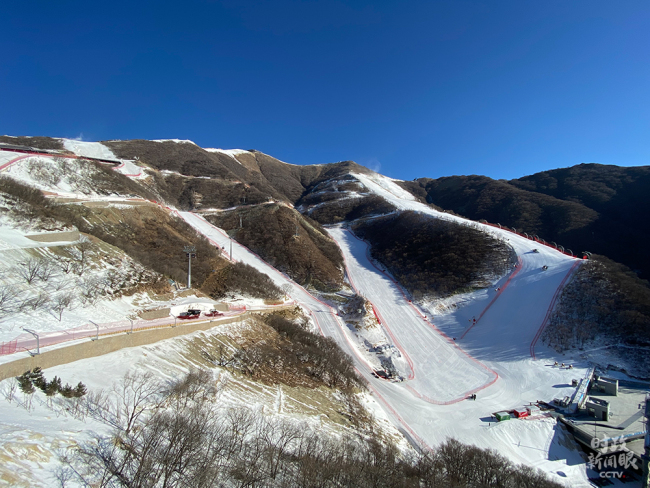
(190, 252)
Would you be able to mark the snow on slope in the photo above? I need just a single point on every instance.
(64, 176)
(228, 152)
(540, 443)
(99, 151)
(88, 149)
(501, 341)
(31, 440)
(428, 350)
(178, 141)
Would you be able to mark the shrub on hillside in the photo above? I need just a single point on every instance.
(178, 437)
(310, 258)
(349, 209)
(320, 357)
(240, 278)
(434, 257)
(604, 300)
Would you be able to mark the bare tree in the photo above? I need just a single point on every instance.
(84, 248)
(60, 303)
(135, 394)
(81, 254)
(47, 269)
(9, 388)
(37, 302)
(286, 289)
(92, 288)
(8, 296)
(196, 386)
(66, 265)
(29, 269)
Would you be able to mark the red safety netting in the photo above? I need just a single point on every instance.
(8, 347)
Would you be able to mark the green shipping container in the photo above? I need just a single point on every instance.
(501, 416)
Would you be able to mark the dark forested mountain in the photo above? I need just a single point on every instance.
(434, 257)
(589, 207)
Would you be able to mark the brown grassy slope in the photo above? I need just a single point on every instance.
(108, 181)
(198, 193)
(292, 355)
(253, 177)
(311, 258)
(349, 209)
(38, 142)
(156, 239)
(219, 180)
(185, 158)
(148, 234)
(433, 257)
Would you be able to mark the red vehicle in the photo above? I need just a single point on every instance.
(190, 314)
(214, 313)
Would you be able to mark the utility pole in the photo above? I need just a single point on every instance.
(97, 335)
(38, 342)
(190, 252)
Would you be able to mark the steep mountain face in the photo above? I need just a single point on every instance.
(619, 196)
(584, 208)
(588, 207)
(192, 177)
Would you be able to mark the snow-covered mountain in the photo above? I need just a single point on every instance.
(135, 201)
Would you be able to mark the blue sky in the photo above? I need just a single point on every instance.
(418, 88)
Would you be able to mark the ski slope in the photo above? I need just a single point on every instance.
(98, 150)
(88, 149)
(492, 357)
(429, 406)
(506, 330)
